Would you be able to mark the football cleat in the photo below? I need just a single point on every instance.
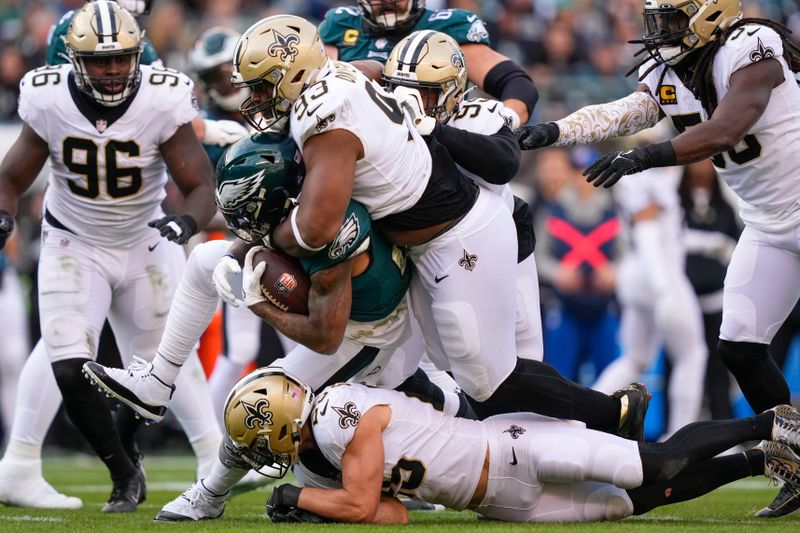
(196, 503)
(786, 426)
(786, 502)
(126, 494)
(137, 387)
(781, 464)
(22, 485)
(634, 400)
(413, 504)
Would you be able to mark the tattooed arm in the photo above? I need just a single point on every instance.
(595, 123)
(329, 300)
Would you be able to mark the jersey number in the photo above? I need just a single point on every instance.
(161, 76)
(80, 157)
(752, 149)
(45, 75)
(407, 476)
(385, 103)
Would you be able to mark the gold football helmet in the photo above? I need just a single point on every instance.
(432, 62)
(673, 28)
(276, 59)
(100, 31)
(263, 416)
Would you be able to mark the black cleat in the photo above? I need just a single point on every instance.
(126, 494)
(786, 502)
(634, 400)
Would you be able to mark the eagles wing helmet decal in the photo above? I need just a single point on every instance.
(346, 237)
(233, 193)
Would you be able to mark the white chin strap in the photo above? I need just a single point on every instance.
(672, 54)
(230, 102)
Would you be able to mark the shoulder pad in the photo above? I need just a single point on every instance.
(354, 238)
(169, 85)
(325, 105)
(748, 44)
(337, 21)
(39, 92)
(462, 25)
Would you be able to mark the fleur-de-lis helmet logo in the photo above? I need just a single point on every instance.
(285, 46)
(257, 414)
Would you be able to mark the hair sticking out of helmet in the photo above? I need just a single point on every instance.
(104, 45)
(433, 63)
(675, 28)
(258, 179)
(391, 16)
(264, 414)
(276, 58)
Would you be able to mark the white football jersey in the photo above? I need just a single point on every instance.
(485, 117)
(106, 179)
(427, 454)
(396, 166)
(761, 169)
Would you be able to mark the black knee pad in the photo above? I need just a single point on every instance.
(738, 355)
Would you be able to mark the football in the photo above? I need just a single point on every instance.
(284, 282)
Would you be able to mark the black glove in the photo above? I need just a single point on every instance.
(293, 514)
(532, 137)
(6, 227)
(611, 167)
(283, 499)
(175, 228)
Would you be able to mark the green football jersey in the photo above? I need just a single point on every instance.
(381, 287)
(343, 29)
(57, 51)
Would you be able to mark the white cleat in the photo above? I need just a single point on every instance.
(135, 386)
(21, 488)
(196, 503)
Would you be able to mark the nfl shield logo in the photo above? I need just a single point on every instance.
(101, 125)
(286, 283)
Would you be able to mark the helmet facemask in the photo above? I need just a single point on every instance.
(386, 16)
(432, 63)
(264, 415)
(667, 36)
(258, 180)
(264, 108)
(104, 37)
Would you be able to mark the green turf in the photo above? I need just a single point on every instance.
(729, 509)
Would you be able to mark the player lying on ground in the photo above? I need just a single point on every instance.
(516, 467)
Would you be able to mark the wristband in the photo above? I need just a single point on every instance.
(661, 154)
(296, 233)
(553, 132)
(291, 495)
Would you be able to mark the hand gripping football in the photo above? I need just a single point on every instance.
(284, 282)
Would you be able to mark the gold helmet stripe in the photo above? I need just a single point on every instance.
(409, 56)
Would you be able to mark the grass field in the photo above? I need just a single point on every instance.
(729, 509)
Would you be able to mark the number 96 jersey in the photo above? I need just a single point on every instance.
(107, 174)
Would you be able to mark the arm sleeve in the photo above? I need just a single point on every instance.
(507, 80)
(597, 123)
(495, 158)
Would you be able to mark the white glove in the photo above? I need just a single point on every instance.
(225, 272)
(223, 132)
(511, 118)
(411, 101)
(251, 279)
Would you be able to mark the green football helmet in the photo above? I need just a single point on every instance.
(258, 180)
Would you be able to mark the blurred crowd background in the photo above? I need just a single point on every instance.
(577, 53)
